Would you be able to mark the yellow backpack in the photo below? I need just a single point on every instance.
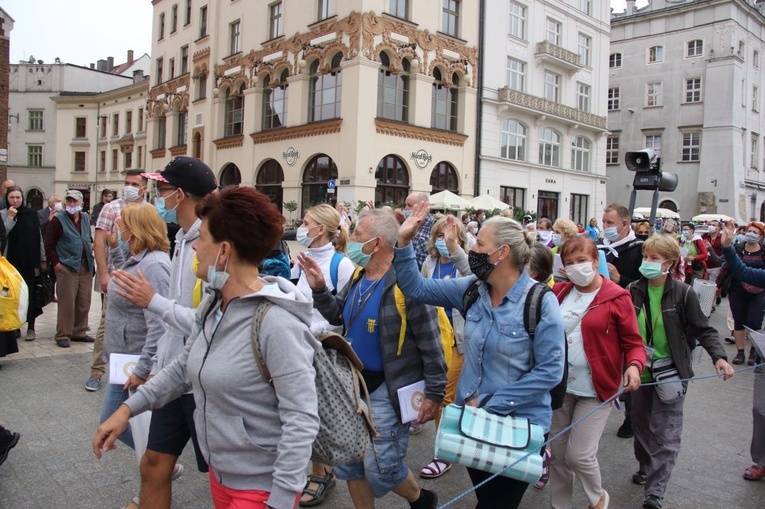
(444, 325)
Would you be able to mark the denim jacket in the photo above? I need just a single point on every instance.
(502, 368)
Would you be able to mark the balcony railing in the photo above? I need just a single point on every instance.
(556, 55)
(541, 105)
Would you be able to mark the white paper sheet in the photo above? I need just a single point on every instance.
(410, 400)
(121, 366)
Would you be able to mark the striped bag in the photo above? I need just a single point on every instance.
(474, 438)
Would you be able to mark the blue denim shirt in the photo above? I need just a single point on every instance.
(501, 367)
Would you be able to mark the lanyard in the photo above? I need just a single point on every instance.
(360, 301)
(452, 273)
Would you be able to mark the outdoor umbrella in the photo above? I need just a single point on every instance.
(447, 200)
(487, 202)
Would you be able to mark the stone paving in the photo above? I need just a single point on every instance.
(42, 396)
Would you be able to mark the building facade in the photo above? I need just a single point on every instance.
(6, 25)
(374, 97)
(686, 81)
(542, 146)
(34, 133)
(98, 136)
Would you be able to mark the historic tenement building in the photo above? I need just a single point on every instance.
(686, 80)
(319, 100)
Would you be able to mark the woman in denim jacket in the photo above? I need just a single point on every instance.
(504, 371)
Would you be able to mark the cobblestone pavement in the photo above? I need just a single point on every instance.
(42, 396)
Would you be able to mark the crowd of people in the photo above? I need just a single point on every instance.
(421, 297)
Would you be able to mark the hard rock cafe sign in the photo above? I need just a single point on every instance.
(291, 156)
(421, 158)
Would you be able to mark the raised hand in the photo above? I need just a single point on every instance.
(727, 234)
(313, 274)
(408, 230)
(451, 234)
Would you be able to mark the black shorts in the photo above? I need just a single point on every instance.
(172, 426)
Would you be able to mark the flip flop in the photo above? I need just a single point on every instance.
(132, 503)
(436, 468)
(754, 473)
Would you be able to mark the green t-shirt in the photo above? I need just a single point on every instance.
(660, 344)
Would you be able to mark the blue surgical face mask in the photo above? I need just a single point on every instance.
(739, 238)
(124, 244)
(751, 237)
(611, 233)
(407, 213)
(442, 249)
(217, 279)
(557, 239)
(651, 270)
(168, 216)
(356, 254)
(686, 234)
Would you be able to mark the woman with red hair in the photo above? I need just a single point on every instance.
(602, 337)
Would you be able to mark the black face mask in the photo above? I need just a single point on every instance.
(480, 264)
(641, 236)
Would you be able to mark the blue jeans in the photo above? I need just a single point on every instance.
(384, 464)
(114, 396)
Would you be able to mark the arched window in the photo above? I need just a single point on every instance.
(275, 103)
(392, 182)
(269, 181)
(513, 140)
(444, 103)
(669, 205)
(325, 91)
(234, 113)
(580, 153)
(549, 147)
(34, 199)
(444, 178)
(393, 91)
(230, 176)
(319, 170)
(197, 149)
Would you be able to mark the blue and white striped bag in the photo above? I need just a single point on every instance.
(474, 438)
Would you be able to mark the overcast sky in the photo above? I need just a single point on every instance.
(84, 31)
(79, 31)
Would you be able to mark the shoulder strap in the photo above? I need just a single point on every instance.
(333, 266)
(260, 313)
(470, 296)
(532, 308)
(398, 295)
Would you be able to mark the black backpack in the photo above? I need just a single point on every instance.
(532, 313)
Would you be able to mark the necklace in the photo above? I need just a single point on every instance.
(362, 296)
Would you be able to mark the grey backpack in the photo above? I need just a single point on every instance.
(345, 422)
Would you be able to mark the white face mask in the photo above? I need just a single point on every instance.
(130, 194)
(58, 206)
(302, 236)
(581, 274)
(544, 236)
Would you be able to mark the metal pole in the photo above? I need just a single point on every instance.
(654, 205)
(633, 198)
